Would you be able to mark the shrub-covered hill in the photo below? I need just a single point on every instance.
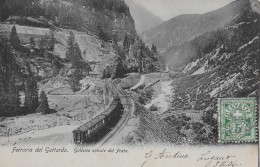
(186, 27)
(99, 16)
(235, 34)
(185, 38)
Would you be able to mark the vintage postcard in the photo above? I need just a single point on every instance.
(133, 83)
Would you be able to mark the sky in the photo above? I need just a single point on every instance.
(167, 9)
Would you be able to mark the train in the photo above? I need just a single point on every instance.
(95, 128)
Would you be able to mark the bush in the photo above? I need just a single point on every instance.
(179, 121)
(200, 133)
(43, 106)
(208, 118)
(146, 95)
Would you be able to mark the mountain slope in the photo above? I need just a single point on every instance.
(100, 16)
(144, 19)
(216, 56)
(104, 29)
(223, 63)
(235, 34)
(186, 27)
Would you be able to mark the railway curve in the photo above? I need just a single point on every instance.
(129, 108)
(113, 116)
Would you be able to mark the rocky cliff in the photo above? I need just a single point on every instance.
(144, 19)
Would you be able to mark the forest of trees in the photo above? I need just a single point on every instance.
(46, 43)
(12, 76)
(134, 56)
(67, 16)
(230, 38)
(148, 59)
(58, 13)
(9, 93)
(112, 5)
(25, 7)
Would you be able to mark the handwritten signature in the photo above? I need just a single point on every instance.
(218, 161)
(206, 159)
(163, 155)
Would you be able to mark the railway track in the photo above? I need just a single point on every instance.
(88, 130)
(124, 119)
(120, 125)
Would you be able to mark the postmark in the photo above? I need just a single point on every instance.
(237, 120)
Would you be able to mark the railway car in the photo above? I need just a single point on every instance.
(88, 130)
(92, 129)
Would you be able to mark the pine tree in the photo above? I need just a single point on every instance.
(31, 93)
(154, 48)
(126, 44)
(73, 52)
(52, 42)
(14, 39)
(31, 41)
(44, 44)
(74, 80)
(41, 47)
(140, 61)
(77, 53)
(43, 104)
(71, 45)
(9, 94)
(41, 44)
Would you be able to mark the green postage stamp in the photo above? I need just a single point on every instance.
(237, 120)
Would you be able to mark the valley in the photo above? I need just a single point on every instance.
(62, 67)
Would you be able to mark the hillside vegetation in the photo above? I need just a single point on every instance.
(220, 63)
(95, 16)
(65, 43)
(232, 36)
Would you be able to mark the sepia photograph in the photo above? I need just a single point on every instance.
(148, 83)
